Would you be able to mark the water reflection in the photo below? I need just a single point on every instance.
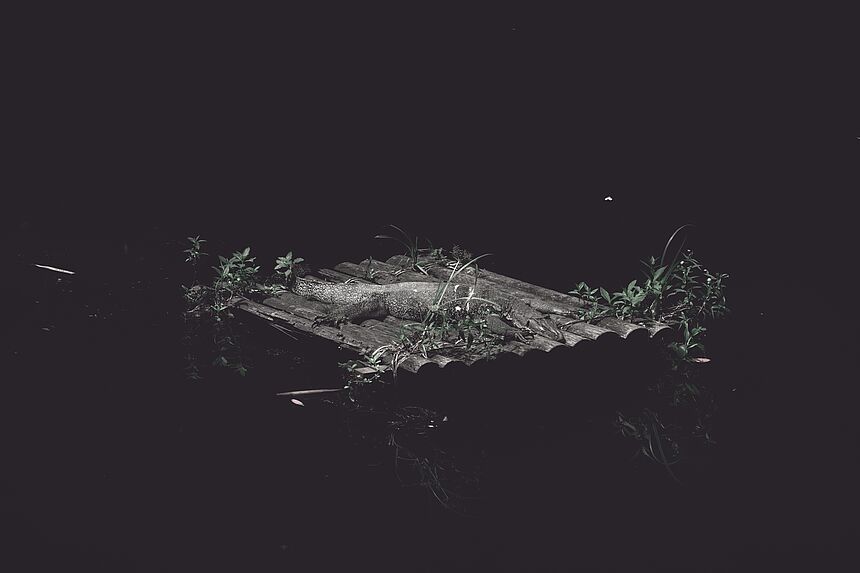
(496, 449)
(426, 454)
(666, 420)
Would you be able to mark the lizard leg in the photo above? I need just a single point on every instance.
(545, 327)
(503, 329)
(525, 316)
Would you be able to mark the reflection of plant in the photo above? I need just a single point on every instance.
(418, 461)
(426, 453)
(657, 444)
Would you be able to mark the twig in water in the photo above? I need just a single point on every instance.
(311, 392)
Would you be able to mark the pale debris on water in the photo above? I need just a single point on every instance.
(297, 402)
(55, 269)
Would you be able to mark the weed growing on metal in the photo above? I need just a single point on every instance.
(682, 293)
(413, 249)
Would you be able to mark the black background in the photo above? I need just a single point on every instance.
(286, 132)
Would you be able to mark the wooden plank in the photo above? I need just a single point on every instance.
(338, 276)
(442, 360)
(413, 276)
(361, 270)
(581, 328)
(393, 328)
(516, 347)
(271, 314)
(572, 339)
(544, 343)
(659, 329)
(298, 305)
(381, 266)
(366, 338)
(414, 363)
(383, 273)
(620, 327)
(289, 300)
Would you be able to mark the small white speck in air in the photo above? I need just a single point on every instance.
(296, 402)
(608, 198)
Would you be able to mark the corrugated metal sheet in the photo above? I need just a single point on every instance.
(289, 309)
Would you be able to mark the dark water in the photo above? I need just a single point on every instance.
(114, 461)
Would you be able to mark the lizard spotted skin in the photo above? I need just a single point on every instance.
(413, 300)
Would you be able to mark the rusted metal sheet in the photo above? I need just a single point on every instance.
(289, 309)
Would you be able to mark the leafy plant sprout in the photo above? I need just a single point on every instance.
(682, 293)
(194, 252)
(413, 249)
(284, 268)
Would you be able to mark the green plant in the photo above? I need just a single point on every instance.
(413, 249)
(195, 251)
(365, 373)
(229, 352)
(284, 268)
(656, 442)
(193, 255)
(235, 276)
(682, 293)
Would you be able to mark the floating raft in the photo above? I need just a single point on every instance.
(296, 312)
